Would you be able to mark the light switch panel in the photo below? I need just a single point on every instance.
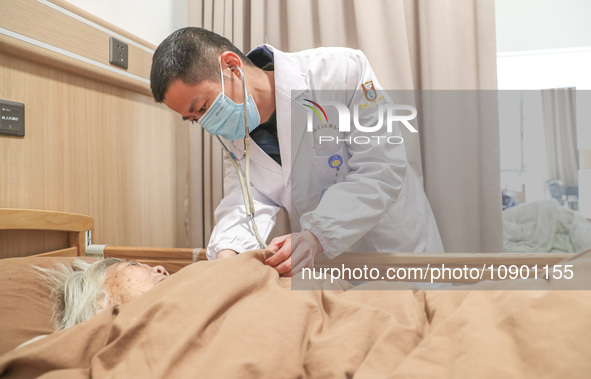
(12, 118)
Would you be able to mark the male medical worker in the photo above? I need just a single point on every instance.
(345, 188)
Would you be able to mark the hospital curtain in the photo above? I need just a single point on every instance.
(560, 128)
(205, 168)
(411, 45)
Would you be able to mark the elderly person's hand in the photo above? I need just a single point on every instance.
(293, 252)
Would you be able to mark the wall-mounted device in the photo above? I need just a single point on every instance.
(12, 118)
(118, 52)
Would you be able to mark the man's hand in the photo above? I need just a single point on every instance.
(226, 254)
(305, 246)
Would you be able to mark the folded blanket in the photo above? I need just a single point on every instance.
(545, 226)
(235, 318)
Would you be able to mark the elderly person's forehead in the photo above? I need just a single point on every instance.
(120, 266)
(123, 267)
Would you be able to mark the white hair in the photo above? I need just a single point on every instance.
(76, 290)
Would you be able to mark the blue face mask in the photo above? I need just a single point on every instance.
(225, 118)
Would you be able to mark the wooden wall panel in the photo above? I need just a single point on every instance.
(94, 149)
(29, 18)
(82, 46)
(95, 141)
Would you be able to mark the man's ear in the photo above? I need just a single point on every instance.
(230, 61)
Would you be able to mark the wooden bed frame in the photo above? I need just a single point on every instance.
(79, 236)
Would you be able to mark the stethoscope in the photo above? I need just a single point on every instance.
(334, 161)
(244, 179)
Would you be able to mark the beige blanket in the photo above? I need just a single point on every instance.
(236, 318)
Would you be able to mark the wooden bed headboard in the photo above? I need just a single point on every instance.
(77, 228)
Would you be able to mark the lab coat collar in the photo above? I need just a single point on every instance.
(289, 81)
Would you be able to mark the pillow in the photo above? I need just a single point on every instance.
(25, 309)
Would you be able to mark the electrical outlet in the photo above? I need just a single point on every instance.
(118, 52)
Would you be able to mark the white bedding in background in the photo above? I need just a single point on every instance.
(545, 226)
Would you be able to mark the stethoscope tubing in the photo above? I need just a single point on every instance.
(244, 180)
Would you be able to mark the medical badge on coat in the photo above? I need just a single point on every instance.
(369, 91)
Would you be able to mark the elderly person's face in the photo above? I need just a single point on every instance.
(127, 280)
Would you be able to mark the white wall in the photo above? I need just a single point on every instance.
(541, 69)
(543, 43)
(151, 20)
(542, 24)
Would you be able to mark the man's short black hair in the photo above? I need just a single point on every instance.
(191, 55)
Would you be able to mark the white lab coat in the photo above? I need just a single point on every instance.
(377, 203)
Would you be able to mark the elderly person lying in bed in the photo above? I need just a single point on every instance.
(237, 318)
(84, 289)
